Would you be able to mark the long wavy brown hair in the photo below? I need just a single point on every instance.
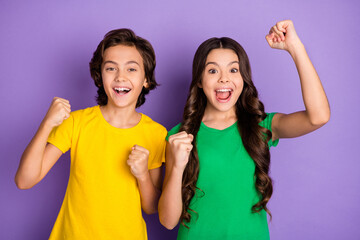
(249, 111)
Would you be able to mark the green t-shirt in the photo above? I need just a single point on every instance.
(226, 178)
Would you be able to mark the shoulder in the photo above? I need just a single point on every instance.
(266, 123)
(173, 131)
(152, 125)
(86, 112)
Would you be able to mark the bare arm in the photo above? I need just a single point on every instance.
(177, 154)
(317, 110)
(170, 204)
(149, 187)
(149, 181)
(39, 156)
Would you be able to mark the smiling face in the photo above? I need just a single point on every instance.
(221, 80)
(123, 75)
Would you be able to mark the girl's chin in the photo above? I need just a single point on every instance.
(221, 107)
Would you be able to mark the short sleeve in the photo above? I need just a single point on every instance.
(173, 131)
(266, 123)
(159, 157)
(61, 135)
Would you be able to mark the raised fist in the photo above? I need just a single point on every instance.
(181, 146)
(138, 161)
(59, 110)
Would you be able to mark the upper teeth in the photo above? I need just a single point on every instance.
(223, 90)
(122, 89)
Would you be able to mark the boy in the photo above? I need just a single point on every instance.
(116, 152)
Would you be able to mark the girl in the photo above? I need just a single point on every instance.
(115, 155)
(219, 186)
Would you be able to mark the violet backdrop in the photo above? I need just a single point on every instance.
(45, 48)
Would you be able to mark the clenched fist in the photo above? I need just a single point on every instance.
(283, 36)
(181, 146)
(59, 110)
(138, 161)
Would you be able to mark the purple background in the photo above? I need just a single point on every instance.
(45, 48)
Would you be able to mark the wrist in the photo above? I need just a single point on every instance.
(178, 169)
(296, 49)
(143, 177)
(47, 126)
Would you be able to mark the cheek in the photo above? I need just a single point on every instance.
(239, 83)
(139, 85)
(104, 76)
(105, 81)
(210, 96)
(207, 83)
(240, 89)
(206, 88)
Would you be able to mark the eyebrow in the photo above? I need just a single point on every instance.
(218, 64)
(129, 62)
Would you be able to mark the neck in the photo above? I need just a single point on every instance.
(120, 117)
(217, 119)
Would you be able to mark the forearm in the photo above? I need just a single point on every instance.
(314, 97)
(149, 194)
(170, 203)
(29, 171)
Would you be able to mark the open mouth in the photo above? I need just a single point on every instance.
(223, 94)
(122, 90)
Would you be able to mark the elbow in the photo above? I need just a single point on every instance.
(150, 211)
(150, 207)
(21, 184)
(321, 119)
(169, 214)
(170, 225)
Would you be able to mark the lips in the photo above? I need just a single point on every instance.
(223, 94)
(121, 90)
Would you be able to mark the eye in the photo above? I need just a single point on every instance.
(234, 70)
(110, 69)
(132, 69)
(212, 71)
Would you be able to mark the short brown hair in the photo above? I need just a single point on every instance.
(125, 37)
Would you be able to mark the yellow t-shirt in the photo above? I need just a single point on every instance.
(102, 199)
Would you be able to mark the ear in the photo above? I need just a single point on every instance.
(199, 84)
(146, 83)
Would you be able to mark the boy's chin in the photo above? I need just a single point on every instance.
(121, 105)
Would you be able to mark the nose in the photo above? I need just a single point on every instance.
(224, 78)
(120, 76)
